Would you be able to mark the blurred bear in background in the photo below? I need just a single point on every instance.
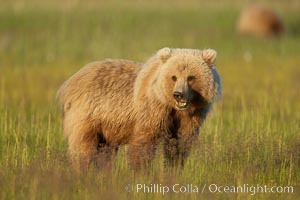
(260, 21)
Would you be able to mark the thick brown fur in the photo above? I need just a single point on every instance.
(115, 102)
(261, 21)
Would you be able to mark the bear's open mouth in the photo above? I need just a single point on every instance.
(181, 105)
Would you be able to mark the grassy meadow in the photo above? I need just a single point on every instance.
(252, 135)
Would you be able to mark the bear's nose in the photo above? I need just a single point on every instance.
(178, 95)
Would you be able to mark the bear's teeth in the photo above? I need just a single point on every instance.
(182, 104)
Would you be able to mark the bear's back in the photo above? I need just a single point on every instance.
(100, 89)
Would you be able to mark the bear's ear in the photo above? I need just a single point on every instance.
(209, 56)
(164, 54)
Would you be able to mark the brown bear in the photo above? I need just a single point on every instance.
(115, 102)
(261, 21)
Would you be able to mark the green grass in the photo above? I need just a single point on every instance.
(252, 135)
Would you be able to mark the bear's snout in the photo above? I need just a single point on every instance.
(178, 96)
(181, 95)
(181, 101)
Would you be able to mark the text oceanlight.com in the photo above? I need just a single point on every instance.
(210, 188)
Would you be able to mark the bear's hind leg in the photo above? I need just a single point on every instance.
(105, 153)
(83, 148)
(141, 148)
(82, 140)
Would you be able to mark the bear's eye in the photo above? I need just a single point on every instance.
(174, 78)
(190, 78)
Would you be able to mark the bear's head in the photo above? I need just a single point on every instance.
(186, 77)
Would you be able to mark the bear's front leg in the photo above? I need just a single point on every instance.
(177, 146)
(141, 148)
